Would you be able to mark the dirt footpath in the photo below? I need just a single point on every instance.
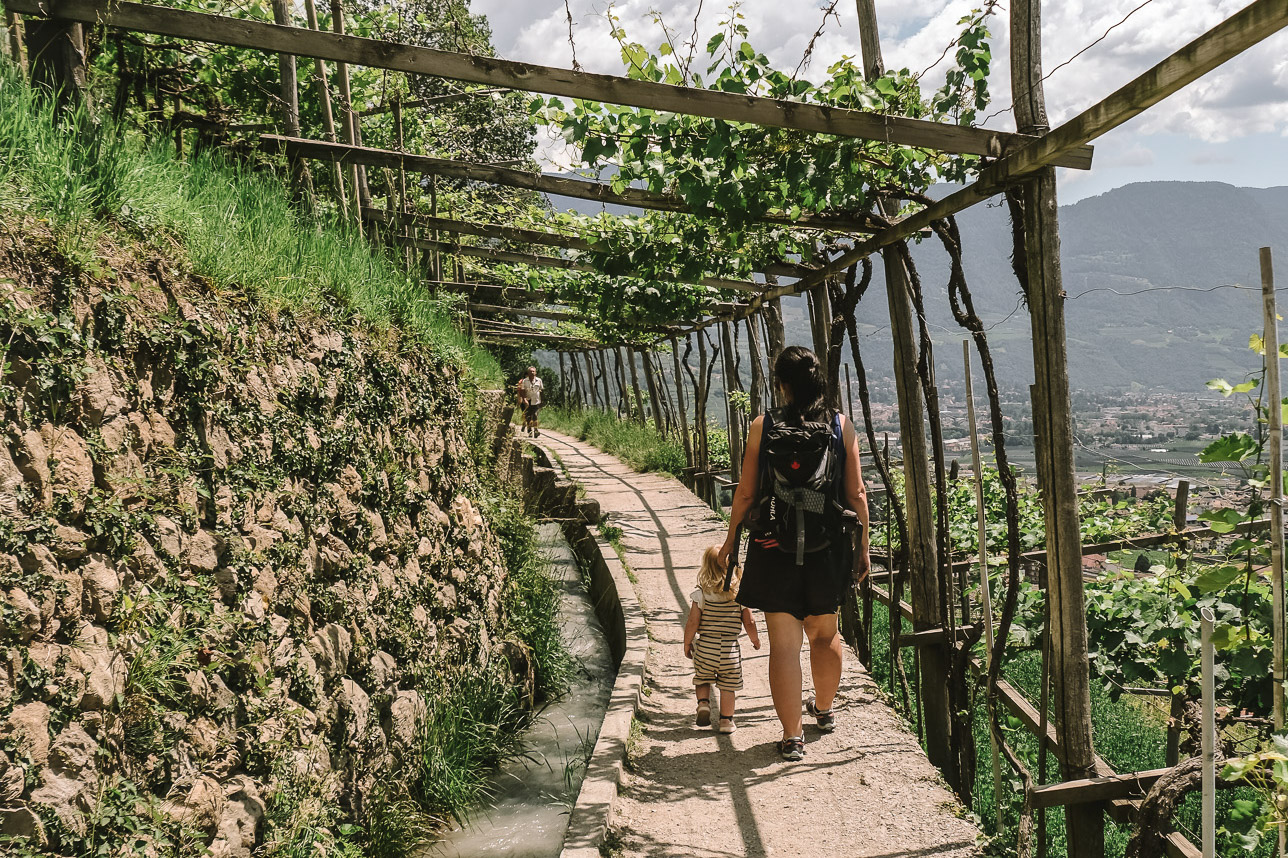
(865, 791)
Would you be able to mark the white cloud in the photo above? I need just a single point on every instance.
(1247, 96)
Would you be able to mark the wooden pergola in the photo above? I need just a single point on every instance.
(1025, 159)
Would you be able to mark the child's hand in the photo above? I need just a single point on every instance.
(688, 649)
(755, 642)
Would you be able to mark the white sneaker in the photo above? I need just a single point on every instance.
(726, 724)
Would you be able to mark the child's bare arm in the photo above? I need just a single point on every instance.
(749, 623)
(691, 629)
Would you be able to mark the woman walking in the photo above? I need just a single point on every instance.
(801, 496)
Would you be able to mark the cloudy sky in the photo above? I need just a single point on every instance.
(1232, 126)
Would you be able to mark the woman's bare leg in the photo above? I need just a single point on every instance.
(785, 636)
(824, 658)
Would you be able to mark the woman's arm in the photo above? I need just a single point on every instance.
(745, 494)
(691, 629)
(749, 623)
(856, 495)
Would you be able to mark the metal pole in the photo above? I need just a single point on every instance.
(985, 596)
(1209, 738)
(1276, 442)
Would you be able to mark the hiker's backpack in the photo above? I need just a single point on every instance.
(799, 500)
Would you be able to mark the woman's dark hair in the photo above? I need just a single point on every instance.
(800, 371)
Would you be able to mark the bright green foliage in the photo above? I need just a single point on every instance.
(1255, 821)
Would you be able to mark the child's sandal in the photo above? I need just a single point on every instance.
(704, 712)
(726, 724)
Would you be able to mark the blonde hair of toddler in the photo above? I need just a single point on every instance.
(711, 575)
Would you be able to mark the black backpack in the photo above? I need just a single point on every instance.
(799, 496)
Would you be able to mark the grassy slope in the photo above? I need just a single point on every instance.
(232, 223)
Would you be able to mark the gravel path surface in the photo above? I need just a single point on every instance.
(865, 791)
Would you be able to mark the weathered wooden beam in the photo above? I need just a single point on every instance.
(511, 257)
(492, 71)
(1127, 785)
(537, 236)
(555, 315)
(563, 186)
(935, 636)
(1220, 44)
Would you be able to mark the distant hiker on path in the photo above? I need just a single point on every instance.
(711, 639)
(802, 497)
(530, 387)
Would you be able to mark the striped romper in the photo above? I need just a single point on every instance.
(717, 657)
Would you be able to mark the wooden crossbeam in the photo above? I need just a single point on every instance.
(937, 636)
(536, 236)
(563, 186)
(1127, 785)
(492, 71)
(1218, 45)
(555, 315)
(511, 257)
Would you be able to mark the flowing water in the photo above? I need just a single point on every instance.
(533, 795)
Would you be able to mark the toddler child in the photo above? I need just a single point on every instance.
(711, 639)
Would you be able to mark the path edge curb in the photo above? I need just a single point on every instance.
(619, 609)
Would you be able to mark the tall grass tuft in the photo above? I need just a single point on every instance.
(233, 223)
(639, 445)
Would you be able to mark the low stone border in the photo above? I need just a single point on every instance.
(619, 611)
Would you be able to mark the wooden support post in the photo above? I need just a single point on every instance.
(301, 177)
(759, 385)
(348, 117)
(731, 384)
(921, 552)
(635, 387)
(13, 24)
(328, 115)
(603, 377)
(1053, 427)
(848, 398)
(654, 393)
(178, 127)
(680, 403)
(1275, 443)
(985, 596)
(56, 53)
(592, 380)
(821, 318)
(700, 418)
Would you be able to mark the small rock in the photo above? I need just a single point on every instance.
(32, 459)
(101, 584)
(73, 469)
(331, 646)
(28, 727)
(236, 830)
(384, 670)
(202, 551)
(22, 822)
(97, 399)
(69, 543)
(406, 711)
(169, 537)
(162, 432)
(28, 623)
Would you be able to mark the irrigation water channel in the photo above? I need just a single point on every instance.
(529, 813)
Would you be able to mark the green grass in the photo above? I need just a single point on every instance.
(94, 183)
(1129, 734)
(638, 445)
